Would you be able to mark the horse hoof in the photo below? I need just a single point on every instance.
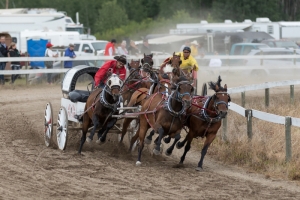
(98, 141)
(147, 141)
(167, 153)
(199, 169)
(177, 146)
(156, 152)
(88, 139)
(138, 163)
(167, 140)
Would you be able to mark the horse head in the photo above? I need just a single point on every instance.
(220, 98)
(147, 61)
(134, 64)
(184, 90)
(114, 83)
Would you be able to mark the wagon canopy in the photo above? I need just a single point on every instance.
(71, 76)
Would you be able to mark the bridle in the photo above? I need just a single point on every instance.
(216, 103)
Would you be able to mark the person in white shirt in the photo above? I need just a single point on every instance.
(49, 64)
(215, 62)
(122, 49)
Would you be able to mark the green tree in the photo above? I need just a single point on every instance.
(110, 16)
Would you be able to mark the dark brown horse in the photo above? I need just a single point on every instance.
(205, 122)
(100, 106)
(164, 115)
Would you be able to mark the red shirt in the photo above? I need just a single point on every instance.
(109, 65)
(108, 45)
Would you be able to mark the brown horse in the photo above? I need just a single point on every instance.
(139, 97)
(205, 119)
(164, 114)
(100, 106)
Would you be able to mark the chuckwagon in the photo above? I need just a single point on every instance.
(72, 108)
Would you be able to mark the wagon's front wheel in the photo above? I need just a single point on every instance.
(48, 124)
(62, 128)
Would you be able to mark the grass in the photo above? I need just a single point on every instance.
(265, 153)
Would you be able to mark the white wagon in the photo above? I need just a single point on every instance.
(72, 107)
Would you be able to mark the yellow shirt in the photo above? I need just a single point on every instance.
(188, 63)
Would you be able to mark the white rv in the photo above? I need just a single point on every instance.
(16, 20)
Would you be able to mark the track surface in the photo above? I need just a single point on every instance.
(30, 170)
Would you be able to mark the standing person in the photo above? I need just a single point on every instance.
(116, 66)
(194, 48)
(69, 52)
(122, 49)
(186, 44)
(14, 52)
(133, 50)
(110, 48)
(49, 64)
(3, 53)
(145, 47)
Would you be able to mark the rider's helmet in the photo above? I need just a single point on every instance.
(187, 49)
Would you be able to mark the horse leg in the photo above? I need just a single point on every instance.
(125, 127)
(188, 139)
(209, 139)
(141, 134)
(179, 145)
(100, 132)
(167, 140)
(171, 148)
(85, 126)
(109, 125)
(96, 123)
(156, 150)
(149, 137)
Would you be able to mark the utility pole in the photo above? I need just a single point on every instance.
(6, 6)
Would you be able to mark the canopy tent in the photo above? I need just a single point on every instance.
(170, 39)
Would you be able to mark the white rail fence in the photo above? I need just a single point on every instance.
(287, 121)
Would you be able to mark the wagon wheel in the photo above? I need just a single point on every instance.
(48, 124)
(62, 129)
(204, 90)
(133, 128)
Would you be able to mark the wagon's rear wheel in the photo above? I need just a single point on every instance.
(48, 124)
(62, 128)
(132, 130)
(204, 90)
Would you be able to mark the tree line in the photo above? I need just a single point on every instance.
(137, 18)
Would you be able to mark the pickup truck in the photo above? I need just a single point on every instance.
(89, 47)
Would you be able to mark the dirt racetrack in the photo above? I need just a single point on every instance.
(30, 170)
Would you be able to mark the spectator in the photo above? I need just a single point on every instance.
(3, 53)
(215, 62)
(133, 50)
(145, 48)
(69, 52)
(15, 65)
(186, 44)
(49, 64)
(122, 49)
(110, 48)
(201, 50)
(194, 48)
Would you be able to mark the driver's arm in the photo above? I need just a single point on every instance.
(194, 64)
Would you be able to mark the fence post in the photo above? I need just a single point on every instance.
(224, 129)
(267, 97)
(292, 100)
(243, 99)
(288, 142)
(26, 67)
(248, 114)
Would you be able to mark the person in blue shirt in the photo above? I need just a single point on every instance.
(69, 52)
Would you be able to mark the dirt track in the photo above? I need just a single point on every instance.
(30, 170)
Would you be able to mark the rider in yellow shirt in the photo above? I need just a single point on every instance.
(188, 62)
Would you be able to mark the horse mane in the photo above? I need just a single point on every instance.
(212, 85)
(179, 79)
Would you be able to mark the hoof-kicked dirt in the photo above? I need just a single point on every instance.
(30, 170)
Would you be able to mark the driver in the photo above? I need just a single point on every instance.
(116, 66)
(188, 61)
